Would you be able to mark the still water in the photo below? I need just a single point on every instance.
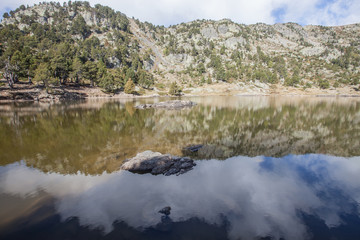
(270, 168)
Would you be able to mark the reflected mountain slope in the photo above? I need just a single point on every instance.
(92, 137)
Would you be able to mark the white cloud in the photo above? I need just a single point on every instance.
(338, 12)
(170, 12)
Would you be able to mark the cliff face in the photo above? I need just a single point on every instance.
(288, 53)
(205, 51)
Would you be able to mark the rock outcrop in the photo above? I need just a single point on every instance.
(174, 104)
(157, 163)
(166, 211)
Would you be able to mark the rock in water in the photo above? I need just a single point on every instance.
(165, 210)
(157, 163)
(174, 104)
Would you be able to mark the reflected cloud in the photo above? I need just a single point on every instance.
(258, 196)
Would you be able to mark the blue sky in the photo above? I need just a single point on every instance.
(170, 12)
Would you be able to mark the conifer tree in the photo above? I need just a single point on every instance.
(129, 87)
(90, 72)
(42, 74)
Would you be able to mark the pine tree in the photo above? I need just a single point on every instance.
(129, 87)
(90, 72)
(77, 70)
(79, 27)
(42, 74)
(145, 79)
(108, 84)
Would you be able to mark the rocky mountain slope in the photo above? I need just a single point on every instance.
(108, 48)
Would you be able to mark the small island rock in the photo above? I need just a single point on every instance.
(157, 163)
(165, 210)
(174, 104)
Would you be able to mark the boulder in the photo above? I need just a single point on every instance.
(165, 210)
(27, 96)
(157, 163)
(174, 104)
(211, 151)
(72, 96)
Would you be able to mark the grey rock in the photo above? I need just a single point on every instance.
(209, 32)
(45, 97)
(157, 163)
(223, 29)
(23, 96)
(175, 104)
(311, 51)
(172, 171)
(233, 42)
(165, 210)
(72, 96)
(210, 151)
(186, 165)
(148, 65)
(193, 148)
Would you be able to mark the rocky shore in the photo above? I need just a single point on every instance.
(41, 95)
(30, 92)
(157, 163)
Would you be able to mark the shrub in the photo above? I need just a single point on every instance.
(293, 81)
(323, 83)
(174, 90)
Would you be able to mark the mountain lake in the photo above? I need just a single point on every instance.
(267, 167)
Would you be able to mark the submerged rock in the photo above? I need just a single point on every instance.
(174, 104)
(211, 151)
(200, 151)
(165, 210)
(157, 163)
(192, 149)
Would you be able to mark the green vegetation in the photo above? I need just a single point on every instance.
(65, 48)
(129, 87)
(59, 44)
(323, 83)
(174, 90)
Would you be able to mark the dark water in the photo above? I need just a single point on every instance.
(288, 168)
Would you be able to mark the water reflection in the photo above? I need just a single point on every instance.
(96, 136)
(257, 197)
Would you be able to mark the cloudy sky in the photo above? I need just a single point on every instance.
(170, 12)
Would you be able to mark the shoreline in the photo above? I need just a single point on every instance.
(184, 96)
(31, 93)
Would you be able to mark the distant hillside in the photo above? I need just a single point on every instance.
(52, 44)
